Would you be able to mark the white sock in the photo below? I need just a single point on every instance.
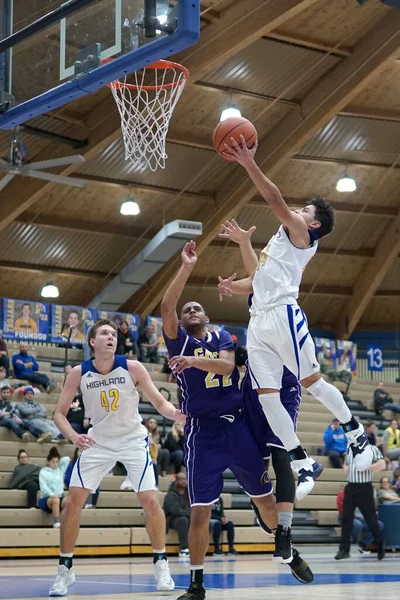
(330, 397)
(279, 419)
(67, 554)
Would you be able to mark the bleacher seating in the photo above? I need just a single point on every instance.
(116, 526)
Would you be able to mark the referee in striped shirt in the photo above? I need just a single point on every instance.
(359, 492)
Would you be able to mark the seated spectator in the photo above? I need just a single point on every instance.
(396, 482)
(26, 477)
(335, 444)
(220, 523)
(148, 345)
(328, 368)
(76, 415)
(163, 455)
(67, 480)
(345, 361)
(3, 379)
(385, 494)
(383, 401)
(177, 512)
(51, 483)
(125, 342)
(391, 441)
(370, 430)
(362, 535)
(26, 368)
(4, 360)
(36, 413)
(10, 418)
(174, 443)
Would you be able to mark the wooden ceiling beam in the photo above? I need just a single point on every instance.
(340, 207)
(329, 96)
(312, 44)
(32, 268)
(52, 221)
(239, 26)
(368, 282)
(142, 186)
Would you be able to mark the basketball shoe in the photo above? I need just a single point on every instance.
(195, 592)
(300, 568)
(360, 447)
(165, 583)
(308, 470)
(64, 580)
(283, 545)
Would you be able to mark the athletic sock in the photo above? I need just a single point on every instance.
(159, 555)
(279, 419)
(285, 519)
(330, 397)
(56, 519)
(352, 426)
(196, 574)
(66, 559)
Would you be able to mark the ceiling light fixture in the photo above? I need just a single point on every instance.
(346, 184)
(49, 291)
(230, 111)
(129, 207)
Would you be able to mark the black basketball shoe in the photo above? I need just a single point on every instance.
(195, 592)
(283, 545)
(300, 568)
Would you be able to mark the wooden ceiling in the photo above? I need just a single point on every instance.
(321, 82)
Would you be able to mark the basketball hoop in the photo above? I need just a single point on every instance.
(146, 110)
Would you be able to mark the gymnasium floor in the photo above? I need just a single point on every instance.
(251, 576)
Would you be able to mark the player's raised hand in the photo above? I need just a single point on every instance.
(240, 152)
(180, 417)
(232, 231)
(179, 363)
(189, 256)
(225, 286)
(82, 441)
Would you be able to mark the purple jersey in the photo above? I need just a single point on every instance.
(205, 394)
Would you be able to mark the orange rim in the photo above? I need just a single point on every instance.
(159, 64)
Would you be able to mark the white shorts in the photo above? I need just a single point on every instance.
(97, 461)
(279, 337)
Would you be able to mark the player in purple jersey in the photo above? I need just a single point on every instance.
(216, 435)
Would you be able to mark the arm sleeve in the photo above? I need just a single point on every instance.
(43, 484)
(175, 347)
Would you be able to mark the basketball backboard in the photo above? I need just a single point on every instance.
(55, 65)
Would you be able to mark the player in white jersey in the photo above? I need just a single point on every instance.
(278, 333)
(109, 389)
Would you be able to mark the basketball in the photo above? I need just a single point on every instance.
(233, 127)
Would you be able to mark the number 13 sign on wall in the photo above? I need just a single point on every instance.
(375, 358)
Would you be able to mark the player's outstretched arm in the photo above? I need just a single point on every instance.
(223, 365)
(175, 289)
(67, 395)
(270, 192)
(232, 231)
(229, 287)
(144, 383)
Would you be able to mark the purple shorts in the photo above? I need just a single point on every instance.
(254, 414)
(216, 444)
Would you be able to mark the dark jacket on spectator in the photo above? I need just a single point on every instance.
(176, 504)
(126, 337)
(217, 511)
(22, 474)
(381, 397)
(76, 415)
(20, 369)
(171, 444)
(9, 407)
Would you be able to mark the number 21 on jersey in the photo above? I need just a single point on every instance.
(110, 401)
(212, 380)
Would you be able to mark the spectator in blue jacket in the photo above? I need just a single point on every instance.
(26, 368)
(335, 444)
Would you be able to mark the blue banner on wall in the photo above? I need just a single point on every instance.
(132, 320)
(374, 357)
(76, 319)
(25, 320)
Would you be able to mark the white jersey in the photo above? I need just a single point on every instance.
(280, 268)
(111, 401)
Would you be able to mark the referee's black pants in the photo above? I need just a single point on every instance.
(359, 495)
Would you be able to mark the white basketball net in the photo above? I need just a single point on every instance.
(146, 113)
